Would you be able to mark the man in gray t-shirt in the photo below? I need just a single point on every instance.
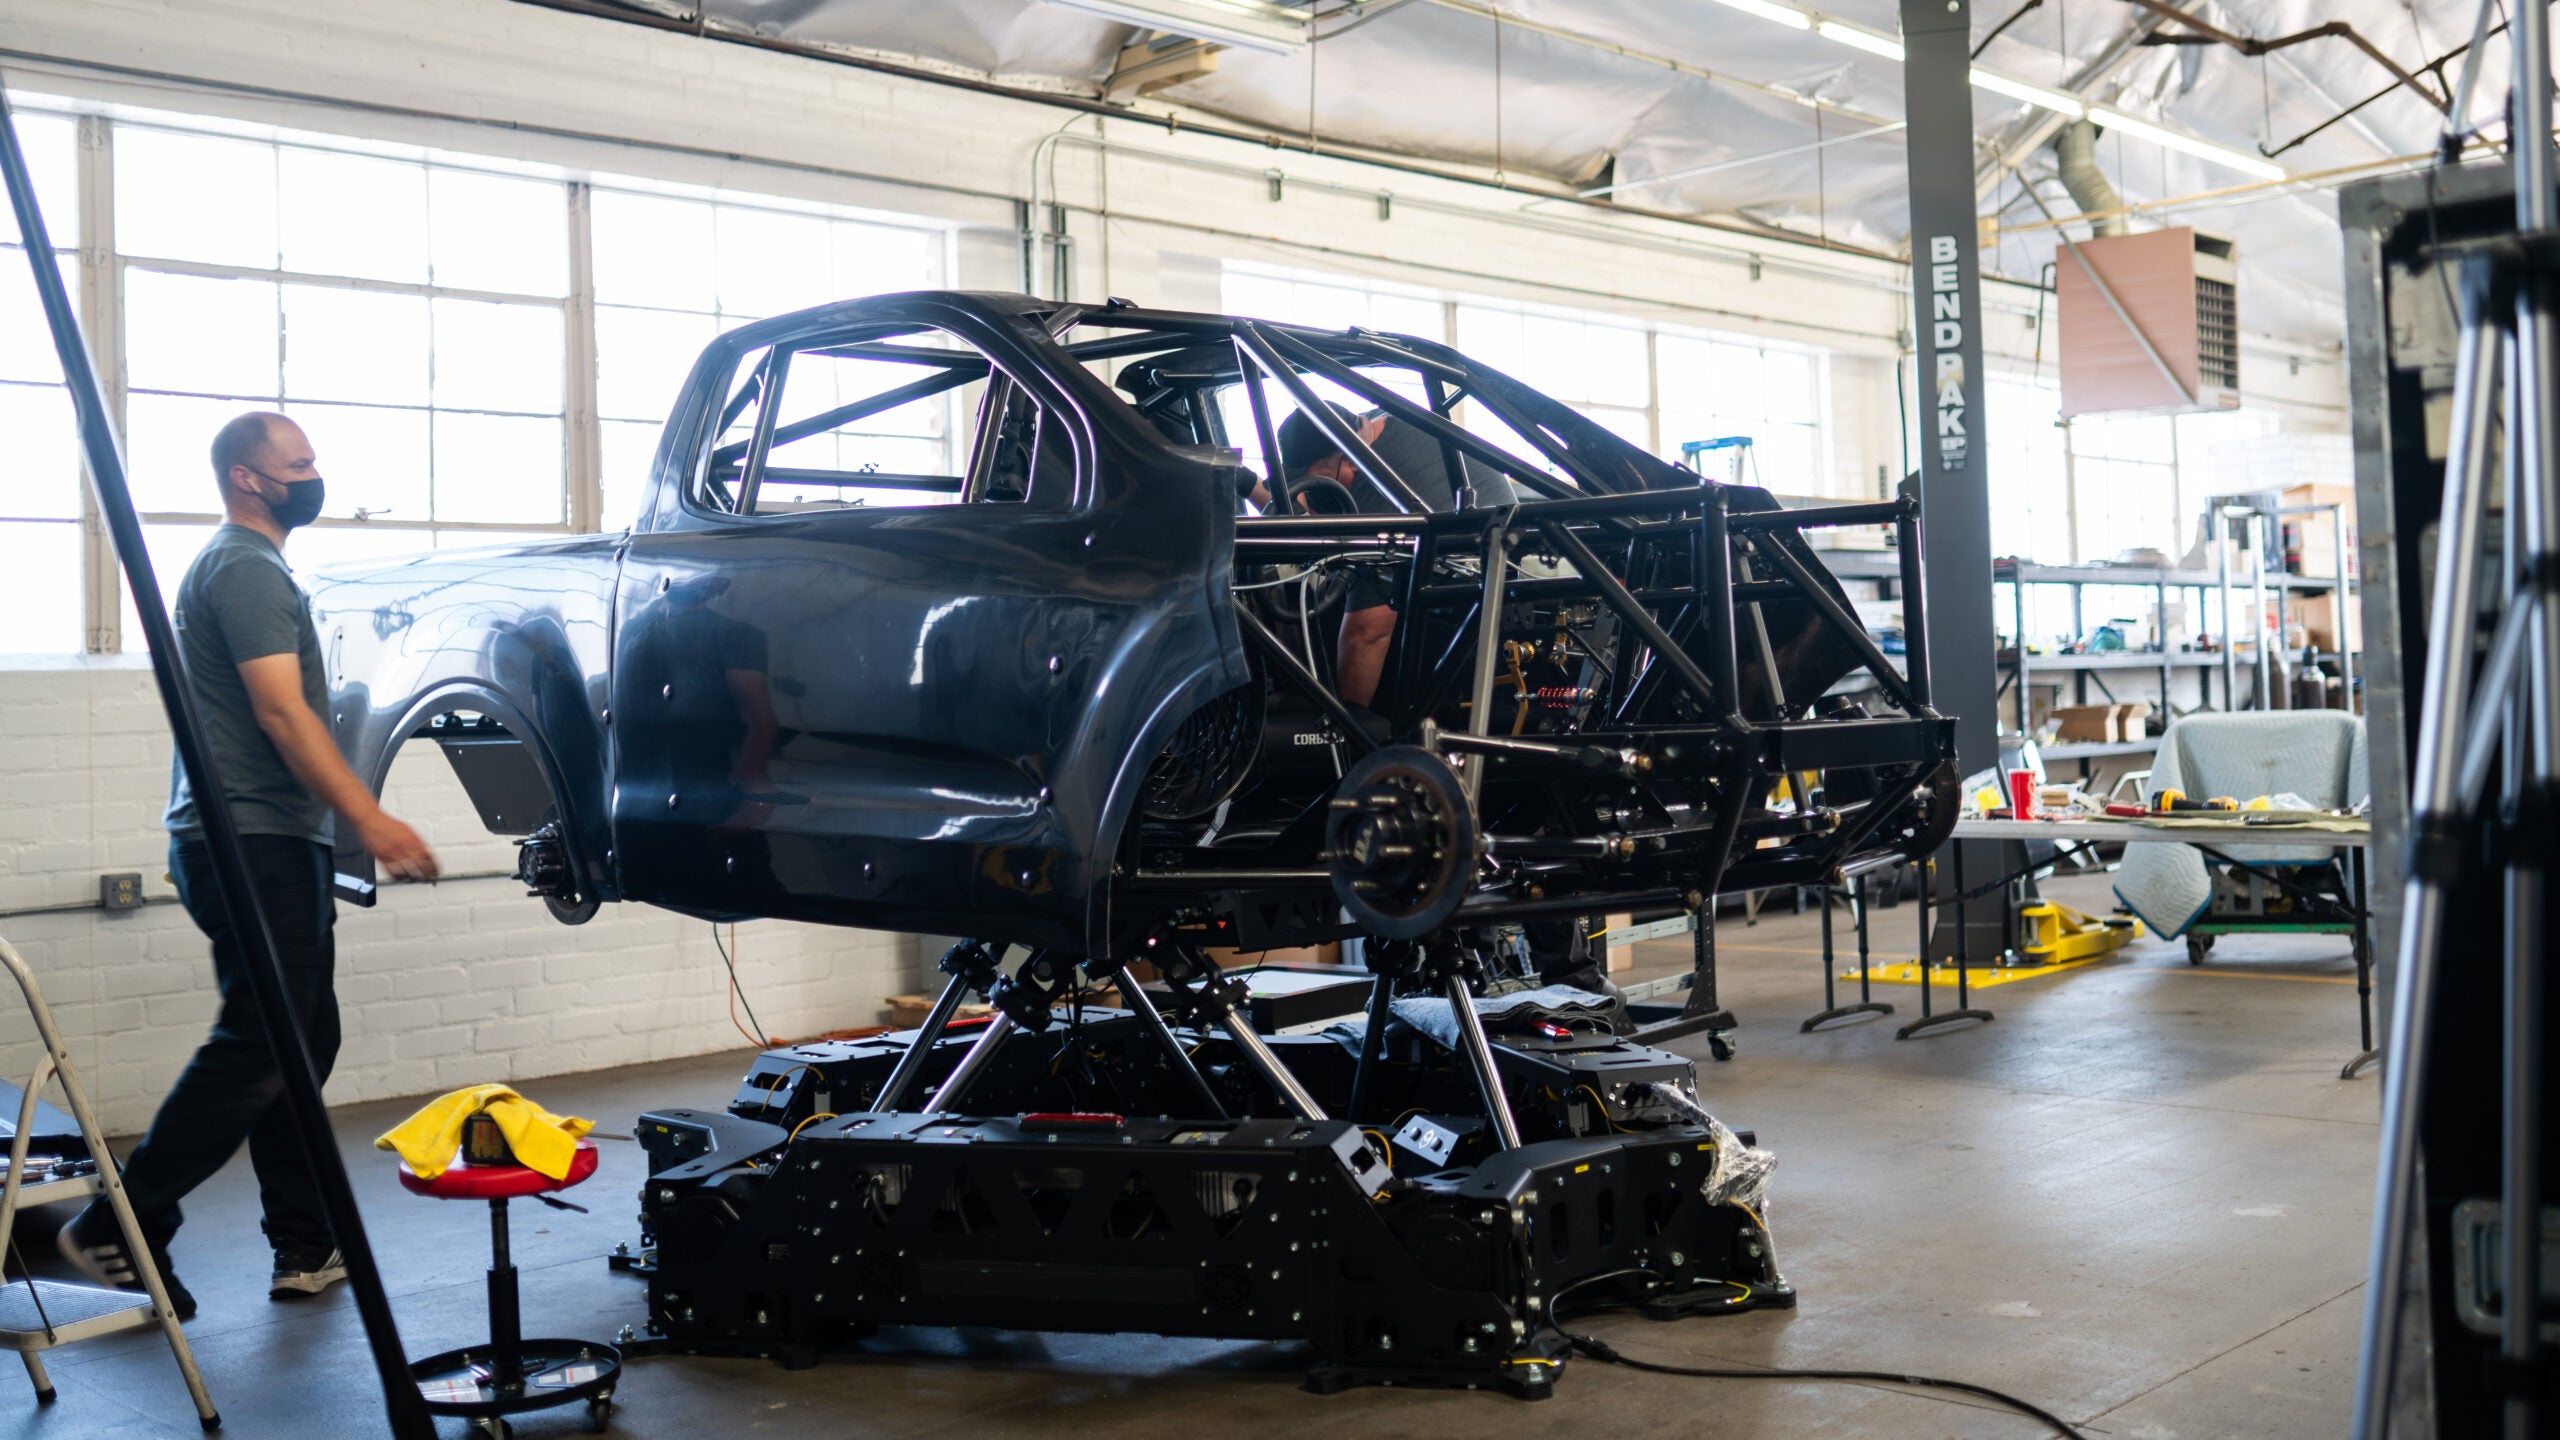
(252, 660)
(1418, 459)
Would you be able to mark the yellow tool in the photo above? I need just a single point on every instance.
(2164, 801)
(2052, 934)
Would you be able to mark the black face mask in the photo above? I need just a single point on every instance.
(302, 499)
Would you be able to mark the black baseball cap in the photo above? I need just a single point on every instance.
(1302, 444)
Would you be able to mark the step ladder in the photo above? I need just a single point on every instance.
(40, 1315)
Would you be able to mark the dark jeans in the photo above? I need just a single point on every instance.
(231, 1090)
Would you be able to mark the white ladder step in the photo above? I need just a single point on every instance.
(77, 1312)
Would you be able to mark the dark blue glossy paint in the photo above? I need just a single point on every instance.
(931, 718)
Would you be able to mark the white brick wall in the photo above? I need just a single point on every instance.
(438, 986)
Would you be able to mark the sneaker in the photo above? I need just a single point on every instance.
(304, 1272)
(94, 1244)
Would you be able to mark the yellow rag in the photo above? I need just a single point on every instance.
(543, 1142)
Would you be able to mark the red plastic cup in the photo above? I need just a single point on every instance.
(2022, 794)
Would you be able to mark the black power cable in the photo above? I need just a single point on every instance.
(1603, 1351)
(740, 991)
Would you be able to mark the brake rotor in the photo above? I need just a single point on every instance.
(1933, 813)
(1401, 842)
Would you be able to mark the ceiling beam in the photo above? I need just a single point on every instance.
(1805, 98)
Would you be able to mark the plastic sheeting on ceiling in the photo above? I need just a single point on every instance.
(1426, 78)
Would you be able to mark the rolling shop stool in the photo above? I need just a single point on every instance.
(510, 1374)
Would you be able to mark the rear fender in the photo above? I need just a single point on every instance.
(1203, 685)
(579, 807)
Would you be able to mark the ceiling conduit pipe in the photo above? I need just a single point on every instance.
(2075, 146)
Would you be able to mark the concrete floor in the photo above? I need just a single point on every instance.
(2138, 1199)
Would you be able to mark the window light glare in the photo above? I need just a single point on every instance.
(1857, 39)
(2053, 100)
(2188, 144)
(1786, 15)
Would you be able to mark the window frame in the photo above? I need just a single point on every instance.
(84, 526)
(1655, 411)
(731, 352)
(100, 293)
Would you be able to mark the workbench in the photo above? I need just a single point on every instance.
(2207, 831)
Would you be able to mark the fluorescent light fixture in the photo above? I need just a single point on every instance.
(1247, 24)
(1860, 39)
(2245, 163)
(2053, 100)
(1786, 15)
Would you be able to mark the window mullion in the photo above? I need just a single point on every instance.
(585, 429)
(1652, 392)
(102, 317)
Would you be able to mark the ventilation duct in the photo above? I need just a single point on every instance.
(2076, 147)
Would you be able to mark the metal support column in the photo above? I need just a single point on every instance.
(1946, 289)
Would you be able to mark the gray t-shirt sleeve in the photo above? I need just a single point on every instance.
(257, 610)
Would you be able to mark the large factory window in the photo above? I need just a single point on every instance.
(1654, 388)
(479, 350)
(2026, 451)
(40, 539)
(671, 272)
(409, 315)
(1714, 389)
(2127, 472)
(1600, 369)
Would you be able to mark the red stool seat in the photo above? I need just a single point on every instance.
(498, 1182)
(510, 1374)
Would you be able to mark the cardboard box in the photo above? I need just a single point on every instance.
(906, 1012)
(1619, 956)
(2315, 537)
(2082, 723)
(2099, 724)
(2318, 615)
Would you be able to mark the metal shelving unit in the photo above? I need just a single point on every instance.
(2017, 668)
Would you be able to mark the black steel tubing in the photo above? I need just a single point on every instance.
(1353, 733)
(1915, 613)
(1570, 588)
(1579, 508)
(1847, 624)
(1381, 528)
(1300, 550)
(1824, 517)
(1482, 912)
(1715, 593)
(1271, 876)
(1275, 471)
(1373, 1042)
(1175, 1056)
(1377, 472)
(1629, 609)
(1558, 455)
(1404, 655)
(301, 1085)
(1437, 426)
